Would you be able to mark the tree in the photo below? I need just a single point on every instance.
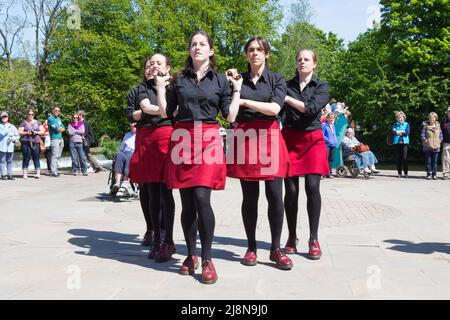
(329, 50)
(46, 15)
(374, 89)
(94, 67)
(229, 22)
(10, 29)
(419, 32)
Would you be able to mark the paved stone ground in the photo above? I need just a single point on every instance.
(382, 238)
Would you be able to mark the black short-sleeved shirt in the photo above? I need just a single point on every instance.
(315, 97)
(199, 102)
(145, 90)
(270, 87)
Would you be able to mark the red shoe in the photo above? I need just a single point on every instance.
(249, 258)
(291, 245)
(154, 250)
(282, 260)
(189, 265)
(314, 250)
(209, 274)
(165, 253)
(148, 238)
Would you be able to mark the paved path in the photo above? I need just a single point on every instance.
(383, 238)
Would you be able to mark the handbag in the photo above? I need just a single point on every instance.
(42, 146)
(362, 147)
(390, 139)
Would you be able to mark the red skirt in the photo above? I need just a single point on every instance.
(149, 157)
(307, 152)
(257, 152)
(196, 157)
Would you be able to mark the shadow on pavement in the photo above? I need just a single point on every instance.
(106, 197)
(117, 246)
(127, 248)
(423, 247)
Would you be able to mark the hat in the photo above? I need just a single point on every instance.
(448, 109)
(349, 130)
(4, 113)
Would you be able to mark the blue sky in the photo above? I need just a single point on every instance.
(346, 18)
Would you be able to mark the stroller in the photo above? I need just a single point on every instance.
(126, 189)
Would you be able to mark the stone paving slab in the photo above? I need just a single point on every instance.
(382, 238)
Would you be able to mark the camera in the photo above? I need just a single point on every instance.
(32, 133)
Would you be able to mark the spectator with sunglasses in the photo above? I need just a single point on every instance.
(31, 131)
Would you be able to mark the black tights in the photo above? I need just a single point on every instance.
(274, 195)
(196, 203)
(159, 197)
(144, 198)
(313, 204)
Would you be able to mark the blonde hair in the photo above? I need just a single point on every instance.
(329, 114)
(400, 113)
(432, 114)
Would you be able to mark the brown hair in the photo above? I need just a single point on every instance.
(263, 43)
(168, 62)
(188, 63)
(298, 52)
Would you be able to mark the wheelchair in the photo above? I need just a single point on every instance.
(123, 191)
(350, 166)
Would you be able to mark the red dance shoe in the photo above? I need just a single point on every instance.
(209, 274)
(189, 265)
(281, 259)
(291, 245)
(148, 238)
(165, 253)
(249, 258)
(314, 250)
(154, 250)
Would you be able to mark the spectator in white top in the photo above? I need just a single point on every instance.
(123, 157)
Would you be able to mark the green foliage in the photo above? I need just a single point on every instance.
(329, 50)
(419, 34)
(109, 147)
(374, 87)
(94, 68)
(16, 89)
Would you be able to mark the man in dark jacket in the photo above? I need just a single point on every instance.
(89, 140)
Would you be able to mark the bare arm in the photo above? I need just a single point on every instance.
(161, 83)
(149, 108)
(235, 99)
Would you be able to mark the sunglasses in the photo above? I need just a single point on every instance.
(4, 117)
(31, 114)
